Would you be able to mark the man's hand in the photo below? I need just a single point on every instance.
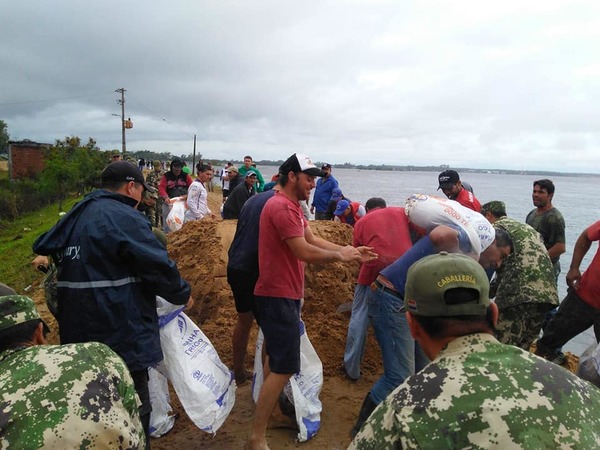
(349, 253)
(190, 303)
(40, 261)
(367, 253)
(312, 209)
(573, 278)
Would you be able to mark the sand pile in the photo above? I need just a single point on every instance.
(200, 249)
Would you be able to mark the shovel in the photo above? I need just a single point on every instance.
(344, 307)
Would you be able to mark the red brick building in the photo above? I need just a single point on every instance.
(25, 158)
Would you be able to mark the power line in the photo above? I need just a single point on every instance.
(162, 119)
(74, 97)
(29, 102)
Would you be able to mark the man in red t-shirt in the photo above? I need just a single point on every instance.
(580, 309)
(386, 231)
(285, 242)
(452, 187)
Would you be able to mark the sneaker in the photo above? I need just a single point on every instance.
(558, 358)
(346, 374)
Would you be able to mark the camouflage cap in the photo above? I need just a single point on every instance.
(16, 309)
(430, 278)
(496, 207)
(157, 163)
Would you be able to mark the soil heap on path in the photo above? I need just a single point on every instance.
(200, 249)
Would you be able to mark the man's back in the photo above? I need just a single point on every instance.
(153, 178)
(236, 199)
(386, 230)
(526, 275)
(243, 253)
(468, 200)
(69, 396)
(478, 393)
(110, 269)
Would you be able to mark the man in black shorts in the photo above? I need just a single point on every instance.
(242, 274)
(285, 241)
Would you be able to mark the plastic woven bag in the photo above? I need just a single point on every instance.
(160, 420)
(589, 365)
(176, 216)
(303, 388)
(204, 385)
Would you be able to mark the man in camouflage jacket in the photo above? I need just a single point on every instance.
(476, 393)
(525, 285)
(61, 396)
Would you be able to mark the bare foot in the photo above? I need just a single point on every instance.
(279, 420)
(241, 378)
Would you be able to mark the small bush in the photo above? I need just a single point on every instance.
(23, 196)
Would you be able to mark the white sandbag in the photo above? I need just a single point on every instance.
(427, 212)
(303, 388)
(258, 372)
(160, 420)
(204, 385)
(176, 216)
(589, 365)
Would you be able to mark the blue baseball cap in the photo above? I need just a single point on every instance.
(341, 207)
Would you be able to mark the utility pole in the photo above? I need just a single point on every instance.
(194, 157)
(122, 103)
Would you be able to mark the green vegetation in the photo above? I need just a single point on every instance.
(4, 137)
(16, 239)
(70, 167)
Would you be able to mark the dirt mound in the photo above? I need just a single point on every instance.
(200, 249)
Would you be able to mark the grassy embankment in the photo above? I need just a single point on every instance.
(16, 239)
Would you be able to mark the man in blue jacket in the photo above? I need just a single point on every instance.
(325, 185)
(110, 268)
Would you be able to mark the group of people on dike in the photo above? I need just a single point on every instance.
(455, 291)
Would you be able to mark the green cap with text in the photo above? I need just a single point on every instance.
(446, 285)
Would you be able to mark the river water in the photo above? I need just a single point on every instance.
(575, 197)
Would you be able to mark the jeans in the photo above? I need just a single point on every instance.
(357, 332)
(402, 356)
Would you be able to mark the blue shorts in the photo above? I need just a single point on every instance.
(280, 324)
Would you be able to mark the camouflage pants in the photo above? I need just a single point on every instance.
(520, 325)
(154, 213)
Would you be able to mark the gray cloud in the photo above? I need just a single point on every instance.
(474, 84)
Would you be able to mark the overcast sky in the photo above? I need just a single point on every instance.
(511, 84)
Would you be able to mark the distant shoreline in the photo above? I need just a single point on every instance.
(438, 169)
